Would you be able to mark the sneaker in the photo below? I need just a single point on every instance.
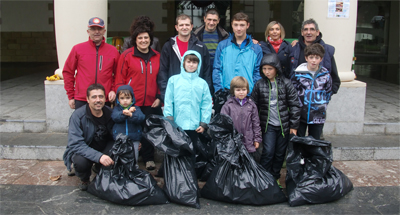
(84, 185)
(279, 183)
(150, 165)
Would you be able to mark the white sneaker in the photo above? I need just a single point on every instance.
(150, 165)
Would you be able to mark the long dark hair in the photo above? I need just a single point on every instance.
(140, 25)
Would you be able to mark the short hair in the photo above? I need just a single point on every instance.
(269, 26)
(96, 86)
(240, 17)
(190, 57)
(125, 92)
(314, 49)
(183, 17)
(309, 21)
(239, 82)
(140, 25)
(211, 11)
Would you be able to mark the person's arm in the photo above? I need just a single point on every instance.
(255, 121)
(117, 115)
(256, 72)
(162, 77)
(218, 68)
(206, 107)
(255, 93)
(137, 116)
(225, 109)
(68, 72)
(293, 105)
(169, 99)
(335, 76)
(328, 89)
(121, 71)
(111, 94)
(206, 68)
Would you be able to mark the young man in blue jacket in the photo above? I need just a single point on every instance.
(237, 56)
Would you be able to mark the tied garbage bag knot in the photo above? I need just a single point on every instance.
(237, 178)
(311, 178)
(180, 180)
(122, 183)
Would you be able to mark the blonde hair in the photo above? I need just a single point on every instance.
(239, 82)
(269, 26)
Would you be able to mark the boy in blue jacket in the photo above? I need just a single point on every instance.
(128, 117)
(187, 97)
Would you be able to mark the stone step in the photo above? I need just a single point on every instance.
(29, 126)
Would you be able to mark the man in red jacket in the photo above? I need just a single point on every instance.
(94, 62)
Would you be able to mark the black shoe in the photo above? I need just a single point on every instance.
(84, 185)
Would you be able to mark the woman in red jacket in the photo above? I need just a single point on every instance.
(138, 67)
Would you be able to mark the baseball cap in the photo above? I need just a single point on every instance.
(96, 21)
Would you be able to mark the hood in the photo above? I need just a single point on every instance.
(197, 72)
(126, 87)
(272, 60)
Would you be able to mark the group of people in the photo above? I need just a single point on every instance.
(276, 88)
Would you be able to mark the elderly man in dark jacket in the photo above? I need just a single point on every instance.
(279, 109)
(89, 135)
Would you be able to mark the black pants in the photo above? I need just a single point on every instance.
(79, 104)
(314, 130)
(147, 150)
(83, 166)
(274, 150)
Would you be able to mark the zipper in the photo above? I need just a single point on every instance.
(101, 63)
(97, 60)
(141, 65)
(151, 68)
(269, 105)
(309, 103)
(145, 83)
(277, 107)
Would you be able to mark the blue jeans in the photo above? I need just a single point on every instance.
(274, 150)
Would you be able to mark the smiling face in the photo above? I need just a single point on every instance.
(184, 28)
(190, 65)
(313, 62)
(96, 100)
(240, 28)
(96, 34)
(211, 21)
(309, 33)
(240, 92)
(269, 72)
(275, 32)
(143, 42)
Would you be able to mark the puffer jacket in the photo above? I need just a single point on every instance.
(231, 61)
(283, 54)
(130, 126)
(92, 65)
(188, 99)
(170, 62)
(81, 130)
(314, 93)
(288, 104)
(245, 119)
(140, 74)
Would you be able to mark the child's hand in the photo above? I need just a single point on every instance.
(293, 131)
(256, 145)
(140, 146)
(127, 113)
(132, 109)
(200, 129)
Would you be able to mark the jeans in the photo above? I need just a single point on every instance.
(314, 130)
(274, 150)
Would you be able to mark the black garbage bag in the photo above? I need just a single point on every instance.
(237, 178)
(211, 160)
(180, 181)
(310, 177)
(219, 99)
(122, 183)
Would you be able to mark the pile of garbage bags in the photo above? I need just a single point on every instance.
(237, 178)
(219, 99)
(123, 183)
(180, 181)
(311, 178)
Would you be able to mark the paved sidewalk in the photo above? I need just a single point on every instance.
(25, 188)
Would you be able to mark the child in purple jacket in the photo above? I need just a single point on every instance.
(244, 114)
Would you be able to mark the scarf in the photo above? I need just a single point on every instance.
(275, 44)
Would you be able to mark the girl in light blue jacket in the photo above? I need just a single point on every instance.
(187, 97)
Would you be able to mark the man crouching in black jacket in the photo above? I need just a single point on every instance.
(89, 135)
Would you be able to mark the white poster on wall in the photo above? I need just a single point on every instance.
(338, 8)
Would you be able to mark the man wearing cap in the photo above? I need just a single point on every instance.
(94, 62)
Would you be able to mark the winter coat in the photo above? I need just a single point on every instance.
(92, 65)
(81, 130)
(231, 61)
(188, 99)
(314, 93)
(222, 34)
(288, 104)
(245, 119)
(283, 54)
(130, 126)
(170, 62)
(141, 75)
(328, 60)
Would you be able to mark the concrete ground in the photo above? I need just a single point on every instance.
(25, 188)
